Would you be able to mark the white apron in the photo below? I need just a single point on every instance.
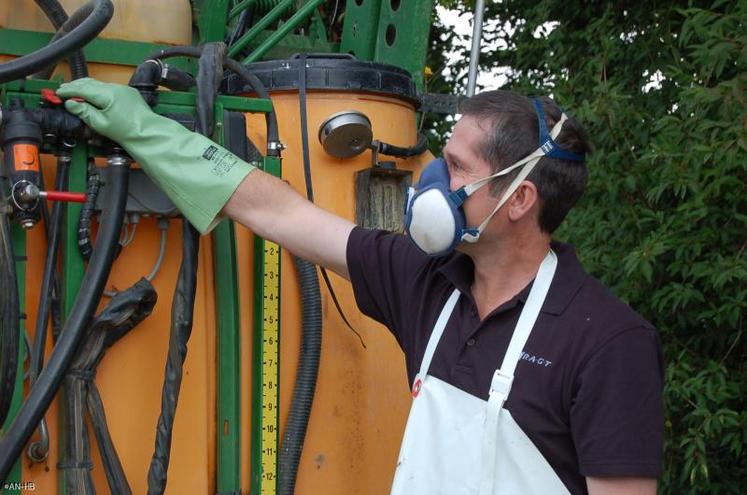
(458, 444)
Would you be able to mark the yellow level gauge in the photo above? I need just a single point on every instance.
(270, 369)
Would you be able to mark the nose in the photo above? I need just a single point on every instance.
(454, 184)
(455, 181)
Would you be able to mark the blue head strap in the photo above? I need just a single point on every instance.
(547, 144)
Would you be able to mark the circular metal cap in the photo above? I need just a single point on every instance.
(346, 134)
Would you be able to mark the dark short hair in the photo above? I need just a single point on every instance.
(514, 134)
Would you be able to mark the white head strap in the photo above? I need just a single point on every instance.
(529, 161)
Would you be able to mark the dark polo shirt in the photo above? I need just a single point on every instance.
(587, 390)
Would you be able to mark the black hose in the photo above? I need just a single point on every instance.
(210, 72)
(273, 140)
(88, 30)
(75, 464)
(400, 152)
(92, 287)
(58, 17)
(182, 310)
(115, 475)
(93, 184)
(54, 12)
(305, 386)
(209, 75)
(48, 291)
(9, 318)
(153, 73)
(125, 311)
(50, 269)
(304, 127)
(273, 135)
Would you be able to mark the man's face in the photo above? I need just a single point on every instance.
(466, 165)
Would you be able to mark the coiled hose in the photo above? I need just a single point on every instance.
(58, 17)
(305, 386)
(92, 287)
(311, 339)
(20, 67)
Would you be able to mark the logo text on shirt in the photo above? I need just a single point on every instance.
(540, 361)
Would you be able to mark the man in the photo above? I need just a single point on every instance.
(528, 375)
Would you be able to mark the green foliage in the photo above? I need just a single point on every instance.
(662, 90)
(438, 80)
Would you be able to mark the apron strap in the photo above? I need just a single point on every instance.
(530, 313)
(430, 349)
(503, 377)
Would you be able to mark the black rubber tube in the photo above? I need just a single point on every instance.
(182, 310)
(92, 287)
(306, 376)
(9, 318)
(400, 152)
(88, 30)
(93, 184)
(243, 73)
(50, 268)
(210, 72)
(304, 389)
(75, 464)
(123, 313)
(59, 19)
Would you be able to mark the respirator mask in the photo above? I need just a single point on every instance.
(434, 216)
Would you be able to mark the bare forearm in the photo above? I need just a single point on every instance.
(274, 210)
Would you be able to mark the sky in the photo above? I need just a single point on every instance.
(462, 25)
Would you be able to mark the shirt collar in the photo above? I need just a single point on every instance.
(569, 277)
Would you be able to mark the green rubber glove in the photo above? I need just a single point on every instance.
(197, 174)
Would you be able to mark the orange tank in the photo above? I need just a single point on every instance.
(362, 396)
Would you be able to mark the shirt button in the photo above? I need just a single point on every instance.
(471, 342)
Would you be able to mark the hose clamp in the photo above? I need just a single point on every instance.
(163, 68)
(118, 161)
(275, 146)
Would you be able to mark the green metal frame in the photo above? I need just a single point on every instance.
(360, 31)
(211, 19)
(399, 40)
(228, 348)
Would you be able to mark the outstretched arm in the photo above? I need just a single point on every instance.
(275, 211)
(204, 180)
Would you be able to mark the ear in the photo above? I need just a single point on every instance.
(523, 201)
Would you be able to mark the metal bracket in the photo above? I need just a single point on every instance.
(440, 103)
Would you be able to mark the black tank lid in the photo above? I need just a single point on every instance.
(339, 72)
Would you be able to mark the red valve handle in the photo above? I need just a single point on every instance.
(64, 196)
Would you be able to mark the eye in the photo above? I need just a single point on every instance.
(454, 165)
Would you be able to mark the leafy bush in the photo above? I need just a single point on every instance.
(662, 89)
